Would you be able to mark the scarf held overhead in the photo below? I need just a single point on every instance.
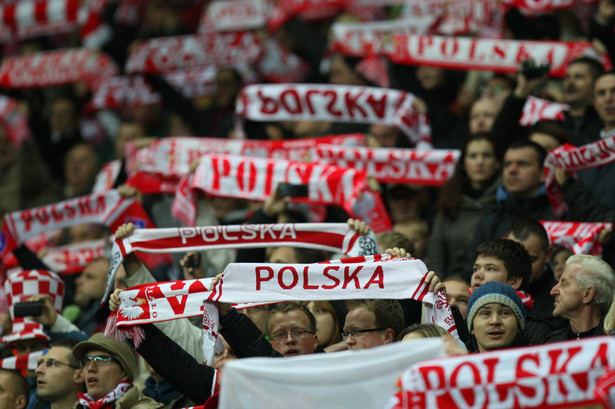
(335, 103)
(557, 375)
(334, 237)
(250, 282)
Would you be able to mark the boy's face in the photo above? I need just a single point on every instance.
(490, 268)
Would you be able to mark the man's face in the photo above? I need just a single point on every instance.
(127, 132)
(489, 268)
(482, 115)
(604, 100)
(523, 175)
(578, 84)
(63, 116)
(102, 379)
(8, 393)
(55, 383)
(286, 323)
(90, 285)
(284, 255)
(495, 326)
(538, 256)
(362, 318)
(458, 295)
(80, 167)
(569, 296)
(385, 135)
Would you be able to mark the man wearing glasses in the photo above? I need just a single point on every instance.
(108, 369)
(58, 375)
(371, 323)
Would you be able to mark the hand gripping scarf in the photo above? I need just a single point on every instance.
(354, 278)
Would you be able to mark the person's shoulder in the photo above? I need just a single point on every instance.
(133, 399)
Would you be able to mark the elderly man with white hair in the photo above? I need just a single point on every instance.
(583, 296)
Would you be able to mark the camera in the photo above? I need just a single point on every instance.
(27, 309)
(194, 261)
(290, 190)
(531, 69)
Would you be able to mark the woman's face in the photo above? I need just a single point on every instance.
(325, 324)
(480, 162)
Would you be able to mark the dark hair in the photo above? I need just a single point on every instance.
(19, 383)
(550, 128)
(449, 196)
(291, 306)
(526, 143)
(512, 254)
(309, 256)
(388, 313)
(69, 344)
(523, 228)
(596, 69)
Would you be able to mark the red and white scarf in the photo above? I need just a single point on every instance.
(125, 92)
(465, 53)
(572, 159)
(335, 103)
(278, 65)
(73, 258)
(252, 282)
(31, 18)
(60, 67)
(334, 237)
(106, 401)
(365, 38)
(15, 124)
(171, 157)
(222, 15)
(538, 109)
(101, 208)
(536, 6)
(581, 238)
(256, 179)
(22, 362)
(561, 374)
(422, 167)
(166, 54)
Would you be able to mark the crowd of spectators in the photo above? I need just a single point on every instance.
(508, 285)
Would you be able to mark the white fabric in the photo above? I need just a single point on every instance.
(351, 379)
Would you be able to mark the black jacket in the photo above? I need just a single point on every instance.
(174, 364)
(566, 333)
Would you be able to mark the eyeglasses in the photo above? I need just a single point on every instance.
(296, 334)
(52, 363)
(99, 360)
(357, 333)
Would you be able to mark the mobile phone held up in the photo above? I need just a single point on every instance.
(291, 190)
(27, 309)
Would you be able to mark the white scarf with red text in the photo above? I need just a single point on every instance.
(561, 374)
(166, 54)
(335, 103)
(392, 165)
(73, 258)
(358, 278)
(222, 15)
(334, 237)
(59, 67)
(171, 157)
(256, 179)
(465, 53)
(581, 238)
(102, 208)
(535, 6)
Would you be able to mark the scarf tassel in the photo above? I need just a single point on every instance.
(135, 332)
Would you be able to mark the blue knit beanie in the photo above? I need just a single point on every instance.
(500, 293)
